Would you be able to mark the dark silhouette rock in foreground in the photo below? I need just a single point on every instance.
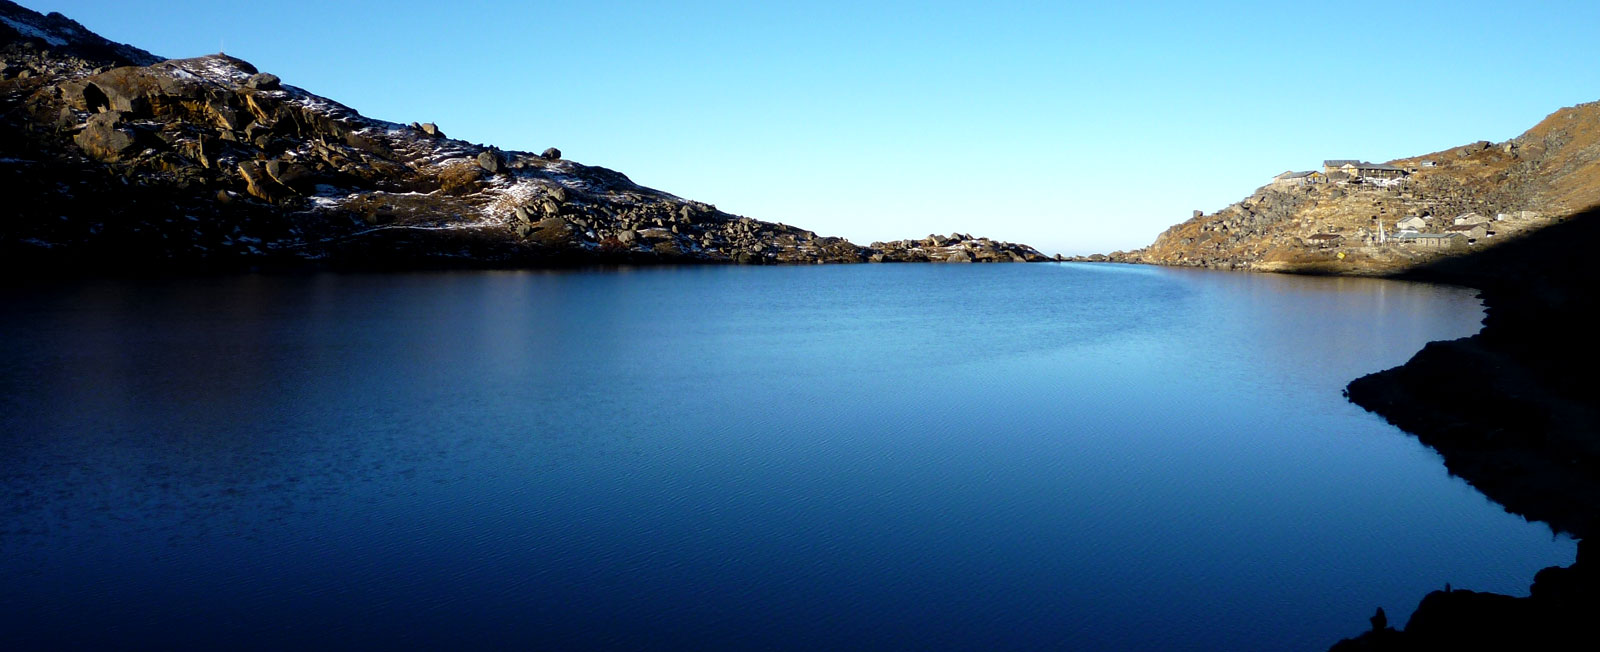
(115, 161)
(1510, 408)
(1511, 411)
(1559, 614)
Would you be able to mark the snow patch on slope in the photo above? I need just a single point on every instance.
(30, 31)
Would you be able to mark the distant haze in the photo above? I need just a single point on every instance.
(1074, 129)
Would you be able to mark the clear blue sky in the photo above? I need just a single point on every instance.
(1073, 127)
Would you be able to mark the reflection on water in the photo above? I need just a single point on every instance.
(869, 457)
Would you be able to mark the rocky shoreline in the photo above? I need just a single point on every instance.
(117, 161)
(1508, 411)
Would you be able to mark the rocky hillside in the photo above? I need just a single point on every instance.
(116, 160)
(1539, 178)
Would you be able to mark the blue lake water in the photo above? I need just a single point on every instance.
(1004, 457)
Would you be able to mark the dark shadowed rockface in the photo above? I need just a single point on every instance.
(1511, 412)
(1510, 407)
(1557, 614)
(115, 161)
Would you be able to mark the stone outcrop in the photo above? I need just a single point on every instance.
(210, 163)
(105, 138)
(956, 248)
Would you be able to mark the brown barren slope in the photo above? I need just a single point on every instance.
(1545, 175)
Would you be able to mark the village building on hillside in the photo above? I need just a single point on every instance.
(1362, 169)
(1473, 232)
(1436, 241)
(1412, 223)
(1337, 165)
(1471, 218)
(1324, 240)
(1290, 178)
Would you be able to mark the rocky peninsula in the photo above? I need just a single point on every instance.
(117, 161)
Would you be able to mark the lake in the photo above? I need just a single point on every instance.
(870, 457)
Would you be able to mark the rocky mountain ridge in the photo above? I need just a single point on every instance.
(115, 159)
(1333, 223)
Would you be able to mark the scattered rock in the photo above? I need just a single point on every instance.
(553, 231)
(105, 139)
(489, 160)
(259, 184)
(297, 177)
(263, 81)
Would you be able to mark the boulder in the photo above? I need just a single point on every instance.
(227, 117)
(551, 154)
(259, 184)
(256, 130)
(105, 139)
(553, 231)
(295, 176)
(139, 90)
(124, 89)
(83, 95)
(666, 248)
(431, 129)
(960, 256)
(489, 160)
(264, 81)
